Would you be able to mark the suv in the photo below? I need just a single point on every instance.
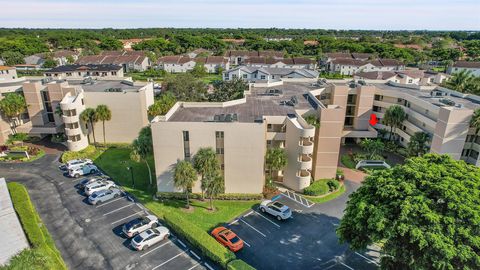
(276, 209)
(102, 196)
(138, 225)
(149, 238)
(75, 163)
(82, 170)
(88, 180)
(97, 186)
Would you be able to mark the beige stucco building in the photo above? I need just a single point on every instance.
(242, 130)
(54, 106)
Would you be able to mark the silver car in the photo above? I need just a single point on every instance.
(138, 225)
(276, 209)
(97, 186)
(102, 196)
(149, 238)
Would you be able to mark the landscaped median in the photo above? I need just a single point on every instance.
(44, 254)
(324, 190)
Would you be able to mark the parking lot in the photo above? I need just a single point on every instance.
(305, 241)
(90, 237)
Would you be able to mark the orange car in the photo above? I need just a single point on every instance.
(228, 238)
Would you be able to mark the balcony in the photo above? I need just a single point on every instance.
(305, 146)
(303, 179)
(305, 162)
(70, 119)
(73, 131)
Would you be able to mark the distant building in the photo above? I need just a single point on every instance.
(8, 73)
(129, 60)
(239, 57)
(293, 62)
(36, 61)
(270, 76)
(181, 64)
(197, 52)
(473, 67)
(404, 77)
(82, 71)
(128, 43)
(346, 66)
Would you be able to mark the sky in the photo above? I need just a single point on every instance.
(321, 14)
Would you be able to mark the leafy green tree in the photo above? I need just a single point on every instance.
(103, 114)
(89, 116)
(185, 87)
(313, 120)
(110, 44)
(50, 63)
(373, 147)
(417, 146)
(214, 186)
(12, 106)
(394, 117)
(142, 148)
(183, 177)
(12, 58)
(459, 80)
(199, 70)
(228, 90)
(162, 104)
(206, 163)
(70, 59)
(275, 159)
(426, 214)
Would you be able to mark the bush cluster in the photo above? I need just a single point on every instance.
(229, 196)
(199, 238)
(317, 188)
(239, 265)
(89, 152)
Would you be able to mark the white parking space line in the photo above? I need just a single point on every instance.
(118, 209)
(152, 250)
(248, 214)
(262, 234)
(195, 254)
(137, 213)
(267, 219)
(114, 200)
(233, 222)
(369, 260)
(245, 242)
(168, 260)
(195, 265)
(346, 266)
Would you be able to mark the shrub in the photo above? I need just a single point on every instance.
(89, 152)
(348, 162)
(333, 184)
(34, 228)
(227, 196)
(17, 137)
(239, 265)
(199, 238)
(340, 172)
(317, 188)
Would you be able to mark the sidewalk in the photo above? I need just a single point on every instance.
(352, 175)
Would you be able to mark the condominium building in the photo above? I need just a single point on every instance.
(181, 63)
(470, 66)
(128, 60)
(242, 130)
(270, 76)
(89, 70)
(293, 63)
(54, 106)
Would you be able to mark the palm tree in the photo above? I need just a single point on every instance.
(460, 80)
(206, 163)
(89, 116)
(372, 147)
(214, 186)
(394, 116)
(103, 114)
(12, 106)
(475, 123)
(275, 159)
(142, 148)
(417, 146)
(184, 176)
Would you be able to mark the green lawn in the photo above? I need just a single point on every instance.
(142, 76)
(211, 78)
(115, 160)
(329, 197)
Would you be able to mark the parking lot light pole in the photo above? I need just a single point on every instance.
(130, 168)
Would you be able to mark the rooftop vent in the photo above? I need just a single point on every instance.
(113, 89)
(88, 80)
(231, 117)
(447, 101)
(46, 80)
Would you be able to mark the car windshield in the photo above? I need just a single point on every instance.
(94, 195)
(278, 205)
(133, 222)
(138, 238)
(235, 239)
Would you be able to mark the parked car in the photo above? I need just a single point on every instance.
(102, 196)
(98, 186)
(227, 238)
(149, 238)
(276, 209)
(82, 170)
(87, 180)
(74, 163)
(138, 225)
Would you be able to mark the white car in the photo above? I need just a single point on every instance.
(97, 186)
(149, 238)
(75, 163)
(105, 195)
(276, 209)
(138, 225)
(82, 170)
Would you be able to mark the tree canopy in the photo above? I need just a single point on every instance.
(426, 214)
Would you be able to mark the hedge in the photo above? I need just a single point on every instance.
(199, 238)
(333, 184)
(239, 265)
(90, 152)
(37, 233)
(227, 196)
(317, 188)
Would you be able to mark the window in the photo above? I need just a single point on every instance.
(377, 109)
(186, 145)
(219, 134)
(244, 76)
(410, 81)
(473, 154)
(378, 97)
(234, 76)
(74, 138)
(220, 151)
(71, 125)
(262, 77)
(352, 99)
(348, 121)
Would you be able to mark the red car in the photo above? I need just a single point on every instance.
(228, 238)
